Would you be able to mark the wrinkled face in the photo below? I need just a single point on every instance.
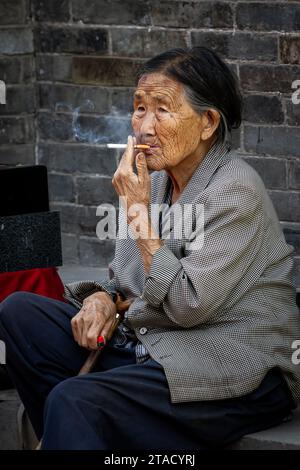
(163, 118)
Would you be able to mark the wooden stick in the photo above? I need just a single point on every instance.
(121, 307)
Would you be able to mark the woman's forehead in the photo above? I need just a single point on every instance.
(158, 84)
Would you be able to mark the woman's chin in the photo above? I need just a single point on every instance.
(154, 162)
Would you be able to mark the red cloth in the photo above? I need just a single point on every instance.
(43, 281)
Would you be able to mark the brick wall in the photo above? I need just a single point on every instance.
(17, 127)
(56, 55)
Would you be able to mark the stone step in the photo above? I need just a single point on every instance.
(283, 437)
(9, 404)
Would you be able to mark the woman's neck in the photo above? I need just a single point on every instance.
(182, 173)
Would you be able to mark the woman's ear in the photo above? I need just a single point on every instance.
(211, 121)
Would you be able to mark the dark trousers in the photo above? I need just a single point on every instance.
(122, 404)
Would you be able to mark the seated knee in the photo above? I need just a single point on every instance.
(13, 305)
(61, 392)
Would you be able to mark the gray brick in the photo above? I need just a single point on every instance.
(12, 12)
(96, 190)
(57, 68)
(106, 71)
(16, 69)
(294, 174)
(16, 130)
(27, 69)
(273, 78)
(117, 12)
(272, 140)
(10, 69)
(56, 126)
(17, 154)
(271, 170)
(67, 98)
(19, 99)
(263, 109)
(77, 219)
(16, 41)
(287, 204)
(244, 46)
(232, 67)
(202, 14)
(61, 187)
(144, 43)
(94, 252)
(290, 49)
(122, 100)
(78, 158)
(70, 248)
(236, 138)
(54, 10)
(75, 40)
(268, 17)
(292, 235)
(292, 113)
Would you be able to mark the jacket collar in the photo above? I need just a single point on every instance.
(199, 179)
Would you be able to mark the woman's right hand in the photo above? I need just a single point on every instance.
(96, 317)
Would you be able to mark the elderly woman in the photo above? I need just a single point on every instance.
(204, 352)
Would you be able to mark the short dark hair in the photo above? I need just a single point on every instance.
(207, 80)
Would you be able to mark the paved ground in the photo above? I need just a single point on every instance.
(283, 437)
(74, 272)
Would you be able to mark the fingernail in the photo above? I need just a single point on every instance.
(100, 342)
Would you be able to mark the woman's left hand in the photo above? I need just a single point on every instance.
(135, 188)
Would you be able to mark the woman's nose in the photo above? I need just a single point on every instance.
(148, 124)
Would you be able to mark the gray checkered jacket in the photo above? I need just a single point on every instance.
(219, 317)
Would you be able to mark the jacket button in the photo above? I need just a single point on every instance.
(143, 330)
(125, 329)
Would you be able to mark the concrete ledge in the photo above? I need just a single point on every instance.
(75, 272)
(9, 404)
(283, 437)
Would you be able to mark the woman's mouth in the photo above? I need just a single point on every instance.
(152, 150)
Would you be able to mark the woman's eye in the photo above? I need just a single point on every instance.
(140, 108)
(162, 110)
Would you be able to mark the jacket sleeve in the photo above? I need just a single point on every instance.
(192, 289)
(76, 292)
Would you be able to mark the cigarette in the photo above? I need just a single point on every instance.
(123, 146)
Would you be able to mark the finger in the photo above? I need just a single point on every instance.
(92, 334)
(127, 160)
(80, 328)
(74, 329)
(108, 330)
(84, 333)
(142, 169)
